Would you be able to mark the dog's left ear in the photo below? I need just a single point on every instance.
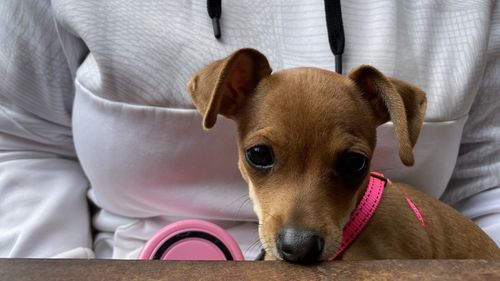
(223, 86)
(396, 100)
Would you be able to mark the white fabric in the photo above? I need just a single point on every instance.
(484, 209)
(432, 170)
(93, 106)
(82, 253)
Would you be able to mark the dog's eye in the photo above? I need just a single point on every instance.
(353, 164)
(260, 157)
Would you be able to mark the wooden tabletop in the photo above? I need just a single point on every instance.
(45, 269)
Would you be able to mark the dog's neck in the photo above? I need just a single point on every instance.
(370, 197)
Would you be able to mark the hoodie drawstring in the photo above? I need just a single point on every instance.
(334, 26)
(335, 29)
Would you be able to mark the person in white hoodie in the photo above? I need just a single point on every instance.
(100, 145)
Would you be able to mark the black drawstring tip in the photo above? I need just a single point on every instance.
(338, 64)
(214, 8)
(216, 26)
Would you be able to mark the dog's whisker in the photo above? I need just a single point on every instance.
(246, 201)
(244, 196)
(255, 243)
(252, 246)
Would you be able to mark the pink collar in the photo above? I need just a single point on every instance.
(364, 211)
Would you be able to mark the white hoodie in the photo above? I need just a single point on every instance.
(94, 109)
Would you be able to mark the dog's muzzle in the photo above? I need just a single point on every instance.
(299, 245)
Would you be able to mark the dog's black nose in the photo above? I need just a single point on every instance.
(299, 246)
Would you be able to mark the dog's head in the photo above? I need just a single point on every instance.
(306, 137)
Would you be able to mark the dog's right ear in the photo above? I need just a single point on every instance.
(223, 86)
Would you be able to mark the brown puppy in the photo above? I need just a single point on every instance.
(306, 137)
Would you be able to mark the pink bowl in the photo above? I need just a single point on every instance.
(192, 240)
